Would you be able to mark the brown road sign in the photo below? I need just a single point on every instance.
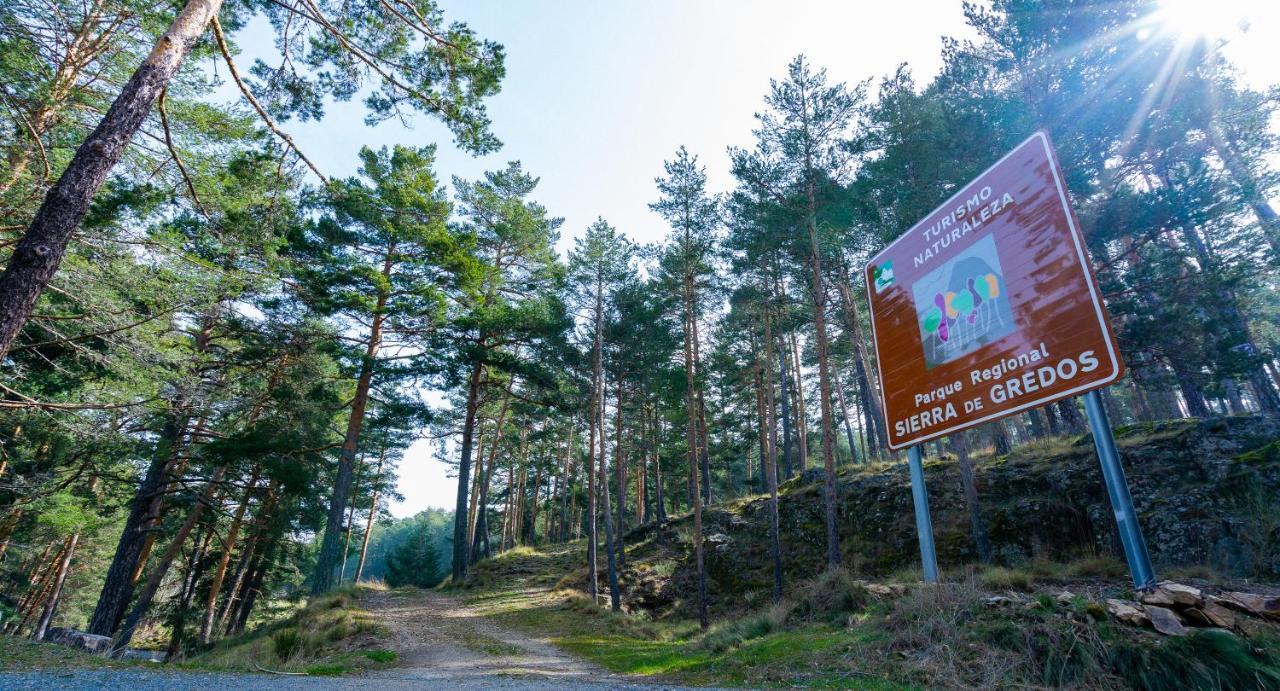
(988, 307)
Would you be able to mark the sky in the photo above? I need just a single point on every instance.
(599, 93)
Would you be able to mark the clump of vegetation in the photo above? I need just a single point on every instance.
(1203, 660)
(326, 637)
(1001, 578)
(831, 597)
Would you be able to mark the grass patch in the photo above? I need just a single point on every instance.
(18, 654)
(324, 638)
(1203, 660)
(383, 656)
(488, 645)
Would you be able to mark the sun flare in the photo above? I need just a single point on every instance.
(1203, 18)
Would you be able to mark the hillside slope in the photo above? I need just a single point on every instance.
(1206, 491)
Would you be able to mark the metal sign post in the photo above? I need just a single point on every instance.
(1135, 548)
(924, 525)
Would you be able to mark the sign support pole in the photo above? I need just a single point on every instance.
(924, 525)
(1135, 547)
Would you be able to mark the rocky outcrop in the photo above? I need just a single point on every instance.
(1205, 491)
(1170, 608)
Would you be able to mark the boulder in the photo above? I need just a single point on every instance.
(1212, 614)
(1252, 603)
(79, 639)
(1170, 594)
(1165, 621)
(1127, 612)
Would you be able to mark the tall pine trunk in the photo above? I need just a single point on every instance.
(460, 545)
(327, 560)
(960, 444)
(695, 495)
(195, 565)
(38, 254)
(610, 539)
(784, 379)
(373, 512)
(220, 573)
(51, 604)
(768, 437)
(824, 381)
(861, 362)
(161, 568)
(620, 472)
(144, 513)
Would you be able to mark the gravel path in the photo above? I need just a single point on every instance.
(441, 644)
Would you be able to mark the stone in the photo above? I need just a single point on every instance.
(145, 655)
(1127, 612)
(997, 601)
(1212, 614)
(1065, 597)
(1170, 594)
(719, 542)
(79, 639)
(1252, 603)
(1165, 621)
(880, 590)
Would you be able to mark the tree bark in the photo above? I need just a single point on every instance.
(660, 499)
(797, 397)
(51, 604)
(610, 539)
(373, 512)
(144, 513)
(38, 254)
(480, 543)
(695, 495)
(824, 377)
(620, 472)
(1000, 442)
(844, 414)
(351, 520)
(220, 573)
(327, 560)
(770, 475)
(861, 362)
(195, 565)
(162, 567)
(784, 379)
(248, 555)
(566, 488)
(960, 444)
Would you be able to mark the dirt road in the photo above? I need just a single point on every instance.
(440, 644)
(438, 638)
